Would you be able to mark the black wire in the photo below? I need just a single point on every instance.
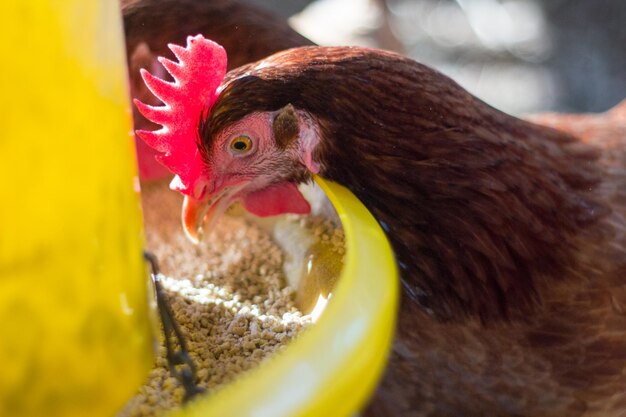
(180, 363)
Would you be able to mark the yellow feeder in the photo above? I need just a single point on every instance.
(75, 338)
(332, 367)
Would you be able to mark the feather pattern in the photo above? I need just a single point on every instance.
(479, 205)
(510, 234)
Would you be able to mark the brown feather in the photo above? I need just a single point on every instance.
(510, 236)
(432, 162)
(285, 126)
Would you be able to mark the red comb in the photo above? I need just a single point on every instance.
(197, 75)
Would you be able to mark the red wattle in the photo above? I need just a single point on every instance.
(281, 198)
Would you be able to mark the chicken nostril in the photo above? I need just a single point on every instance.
(206, 187)
(201, 191)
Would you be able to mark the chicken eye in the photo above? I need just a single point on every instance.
(241, 144)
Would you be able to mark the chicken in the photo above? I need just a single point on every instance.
(247, 32)
(510, 236)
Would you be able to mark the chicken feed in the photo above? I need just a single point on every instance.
(229, 295)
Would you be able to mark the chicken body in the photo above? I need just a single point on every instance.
(510, 236)
(564, 357)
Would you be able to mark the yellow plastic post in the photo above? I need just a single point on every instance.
(75, 339)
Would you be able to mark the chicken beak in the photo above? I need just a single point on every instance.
(199, 216)
(193, 215)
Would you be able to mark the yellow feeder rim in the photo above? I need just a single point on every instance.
(332, 368)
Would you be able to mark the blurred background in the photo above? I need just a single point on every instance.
(521, 56)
